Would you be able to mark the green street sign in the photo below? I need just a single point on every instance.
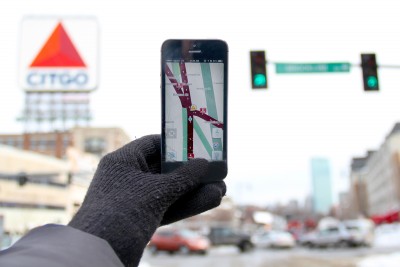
(287, 68)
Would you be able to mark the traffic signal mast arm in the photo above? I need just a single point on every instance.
(358, 65)
(258, 65)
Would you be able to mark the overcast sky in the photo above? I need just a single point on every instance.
(272, 133)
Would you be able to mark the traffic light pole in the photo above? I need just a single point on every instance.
(381, 66)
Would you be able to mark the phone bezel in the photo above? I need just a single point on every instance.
(210, 50)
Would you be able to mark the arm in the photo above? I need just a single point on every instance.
(59, 246)
(129, 199)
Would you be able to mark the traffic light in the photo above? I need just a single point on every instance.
(370, 72)
(258, 69)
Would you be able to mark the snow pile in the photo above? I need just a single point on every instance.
(391, 260)
(387, 236)
(143, 264)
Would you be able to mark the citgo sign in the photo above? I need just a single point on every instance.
(59, 54)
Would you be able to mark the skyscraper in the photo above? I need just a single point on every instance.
(322, 185)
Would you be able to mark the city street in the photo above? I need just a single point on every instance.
(298, 257)
(255, 133)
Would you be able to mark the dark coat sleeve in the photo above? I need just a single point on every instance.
(59, 246)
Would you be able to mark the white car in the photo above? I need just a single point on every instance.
(361, 232)
(343, 234)
(274, 239)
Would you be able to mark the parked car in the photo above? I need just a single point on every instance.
(175, 240)
(350, 233)
(274, 239)
(308, 239)
(228, 236)
(362, 232)
(330, 237)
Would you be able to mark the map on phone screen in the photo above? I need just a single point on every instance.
(194, 101)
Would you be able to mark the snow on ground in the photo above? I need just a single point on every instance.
(385, 236)
(391, 260)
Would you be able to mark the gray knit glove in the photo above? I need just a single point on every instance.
(129, 198)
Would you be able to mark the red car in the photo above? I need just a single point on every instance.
(183, 241)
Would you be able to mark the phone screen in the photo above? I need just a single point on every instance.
(194, 87)
(194, 109)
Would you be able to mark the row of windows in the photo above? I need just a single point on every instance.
(95, 145)
(381, 179)
(29, 206)
(34, 143)
(11, 141)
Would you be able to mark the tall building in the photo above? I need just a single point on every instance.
(321, 185)
(308, 206)
(358, 196)
(381, 174)
(345, 209)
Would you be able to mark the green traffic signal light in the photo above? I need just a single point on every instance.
(258, 67)
(372, 81)
(370, 72)
(259, 80)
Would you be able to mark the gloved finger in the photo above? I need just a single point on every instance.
(185, 178)
(201, 199)
(143, 154)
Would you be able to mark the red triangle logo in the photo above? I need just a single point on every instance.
(58, 51)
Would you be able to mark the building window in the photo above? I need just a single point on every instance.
(95, 145)
(32, 144)
(66, 141)
(10, 141)
(42, 144)
(19, 142)
(51, 144)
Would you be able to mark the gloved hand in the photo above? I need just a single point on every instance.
(129, 198)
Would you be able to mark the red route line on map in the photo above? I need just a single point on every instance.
(186, 102)
(190, 119)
